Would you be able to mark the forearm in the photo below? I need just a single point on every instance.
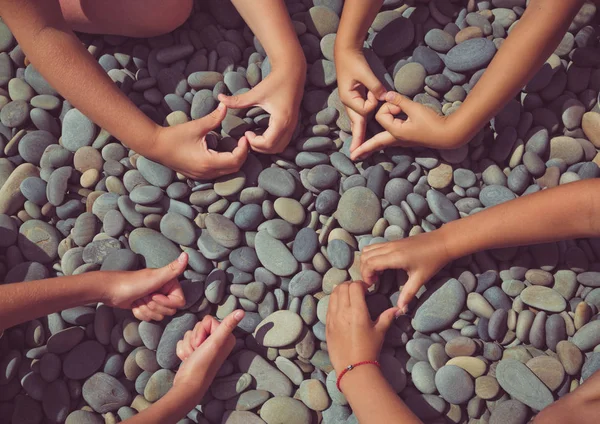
(61, 58)
(170, 409)
(372, 399)
(357, 17)
(565, 212)
(21, 302)
(532, 40)
(270, 22)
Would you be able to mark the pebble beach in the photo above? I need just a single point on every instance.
(494, 338)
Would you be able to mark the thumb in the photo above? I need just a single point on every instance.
(385, 319)
(408, 293)
(240, 101)
(173, 269)
(213, 119)
(224, 330)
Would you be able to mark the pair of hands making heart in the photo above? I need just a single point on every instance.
(360, 91)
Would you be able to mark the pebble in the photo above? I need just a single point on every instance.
(522, 384)
(454, 384)
(281, 409)
(544, 298)
(174, 331)
(588, 336)
(274, 255)
(156, 249)
(410, 79)
(77, 131)
(279, 329)
(441, 308)
(470, 55)
(354, 200)
(104, 393)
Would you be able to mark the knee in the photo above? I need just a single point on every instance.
(171, 15)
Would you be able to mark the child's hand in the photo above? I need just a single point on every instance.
(423, 127)
(204, 349)
(152, 294)
(280, 95)
(183, 148)
(359, 90)
(351, 335)
(421, 256)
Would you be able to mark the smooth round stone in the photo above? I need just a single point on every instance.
(486, 387)
(14, 114)
(38, 241)
(544, 298)
(321, 20)
(146, 195)
(509, 412)
(441, 206)
(279, 329)
(64, 340)
(34, 385)
(305, 245)
(77, 131)
(249, 217)
(590, 124)
(245, 259)
(178, 229)
(423, 377)
(522, 384)
(410, 79)
(547, 369)
(592, 364)
(454, 384)
(439, 40)
(339, 254)
(277, 182)
(114, 223)
(230, 184)
(33, 144)
(150, 333)
(441, 308)
(223, 230)
(397, 190)
(34, 190)
(305, 282)
(430, 60)
(155, 173)
(290, 209)
(358, 210)
(174, 331)
(323, 177)
(84, 417)
(285, 410)
(158, 385)
(588, 336)
(314, 395)
(104, 393)
(157, 250)
(26, 271)
(493, 195)
(440, 177)
(57, 185)
(470, 55)
(203, 103)
(567, 149)
(274, 255)
(460, 346)
(84, 360)
(589, 279)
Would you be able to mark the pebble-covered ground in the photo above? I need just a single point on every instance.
(498, 335)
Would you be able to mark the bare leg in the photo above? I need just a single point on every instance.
(132, 18)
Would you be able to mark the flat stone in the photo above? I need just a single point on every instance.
(441, 206)
(454, 384)
(267, 377)
(470, 55)
(38, 241)
(410, 79)
(279, 329)
(156, 249)
(441, 308)
(493, 195)
(285, 410)
(510, 412)
(84, 360)
(77, 131)
(588, 336)
(104, 393)
(544, 298)
(11, 198)
(158, 385)
(522, 384)
(358, 210)
(570, 357)
(274, 255)
(547, 369)
(174, 331)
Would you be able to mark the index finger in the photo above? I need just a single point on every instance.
(222, 331)
(170, 295)
(357, 297)
(375, 143)
(273, 138)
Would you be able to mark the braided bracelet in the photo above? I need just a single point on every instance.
(351, 367)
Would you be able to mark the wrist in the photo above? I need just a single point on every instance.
(459, 130)
(290, 60)
(357, 377)
(454, 244)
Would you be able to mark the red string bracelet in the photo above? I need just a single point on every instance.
(350, 368)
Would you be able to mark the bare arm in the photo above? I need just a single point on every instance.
(357, 17)
(541, 217)
(151, 293)
(373, 400)
(565, 212)
(60, 57)
(532, 40)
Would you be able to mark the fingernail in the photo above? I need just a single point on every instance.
(389, 96)
(221, 106)
(239, 315)
(181, 258)
(383, 96)
(403, 310)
